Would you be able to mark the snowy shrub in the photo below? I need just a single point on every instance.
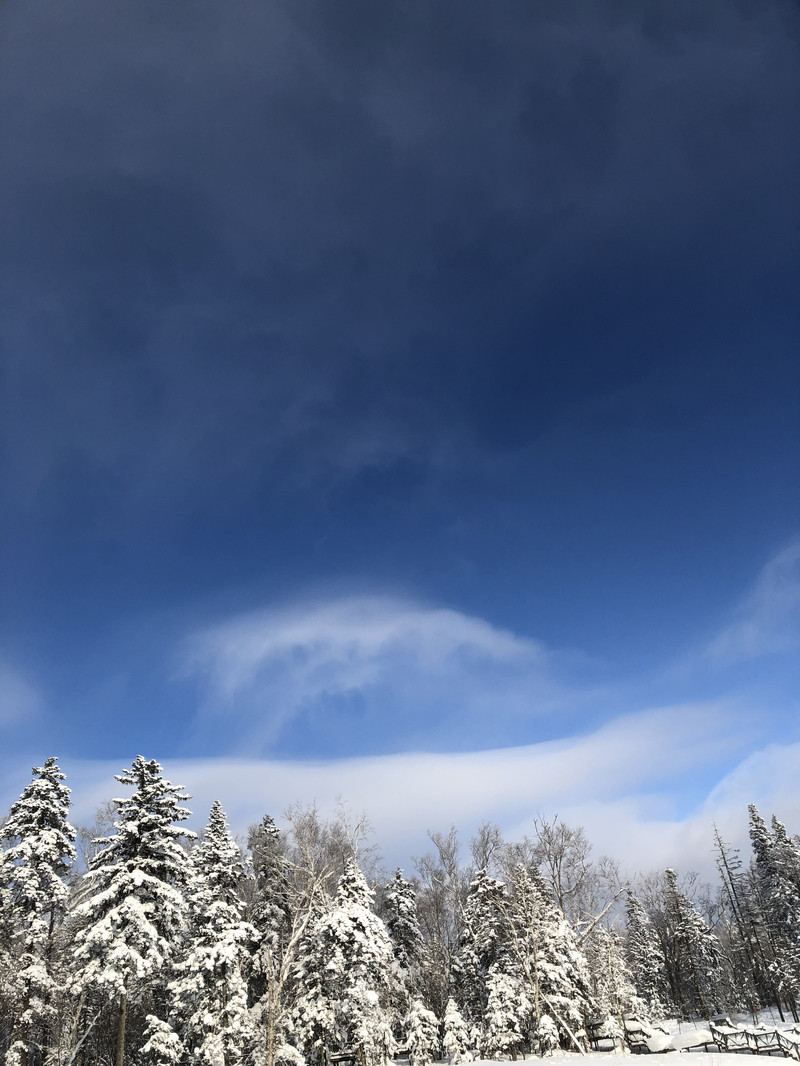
(506, 1012)
(163, 1046)
(547, 1035)
(286, 1055)
(456, 1035)
(422, 1034)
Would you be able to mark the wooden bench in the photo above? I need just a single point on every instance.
(635, 1039)
(645, 1039)
(596, 1036)
(694, 1040)
(349, 1056)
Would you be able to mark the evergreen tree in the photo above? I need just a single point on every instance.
(399, 912)
(613, 990)
(422, 1034)
(701, 983)
(546, 955)
(646, 961)
(209, 992)
(271, 910)
(778, 897)
(34, 896)
(508, 1012)
(135, 916)
(749, 943)
(546, 1035)
(456, 1034)
(785, 903)
(480, 944)
(400, 916)
(344, 974)
(280, 915)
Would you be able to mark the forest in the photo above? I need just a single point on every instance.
(137, 941)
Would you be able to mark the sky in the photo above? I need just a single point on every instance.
(401, 402)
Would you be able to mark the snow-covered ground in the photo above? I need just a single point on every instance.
(687, 1058)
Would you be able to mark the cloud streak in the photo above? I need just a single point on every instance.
(767, 622)
(373, 672)
(625, 782)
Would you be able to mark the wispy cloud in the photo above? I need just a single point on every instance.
(626, 783)
(767, 622)
(382, 672)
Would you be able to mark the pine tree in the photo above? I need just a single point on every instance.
(786, 903)
(613, 990)
(749, 944)
(271, 910)
(480, 944)
(280, 914)
(774, 876)
(456, 1034)
(701, 983)
(546, 1035)
(399, 912)
(209, 991)
(508, 1012)
(400, 915)
(344, 973)
(422, 1034)
(547, 957)
(646, 961)
(34, 899)
(134, 918)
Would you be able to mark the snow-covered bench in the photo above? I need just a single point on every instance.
(643, 1039)
(348, 1056)
(763, 1041)
(729, 1037)
(790, 1044)
(694, 1040)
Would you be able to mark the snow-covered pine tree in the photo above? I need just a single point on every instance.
(480, 944)
(400, 916)
(546, 954)
(507, 1016)
(701, 982)
(280, 911)
(344, 970)
(646, 961)
(785, 905)
(546, 1036)
(455, 1041)
(399, 912)
(208, 994)
(613, 990)
(749, 944)
(133, 920)
(34, 863)
(422, 1034)
(271, 908)
(777, 895)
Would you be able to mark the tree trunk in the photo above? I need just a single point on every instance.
(123, 1017)
(78, 1036)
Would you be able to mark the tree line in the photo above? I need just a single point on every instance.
(174, 949)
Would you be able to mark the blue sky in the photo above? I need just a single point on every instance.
(406, 390)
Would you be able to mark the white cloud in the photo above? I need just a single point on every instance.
(625, 782)
(399, 669)
(768, 620)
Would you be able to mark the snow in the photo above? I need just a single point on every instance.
(687, 1058)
